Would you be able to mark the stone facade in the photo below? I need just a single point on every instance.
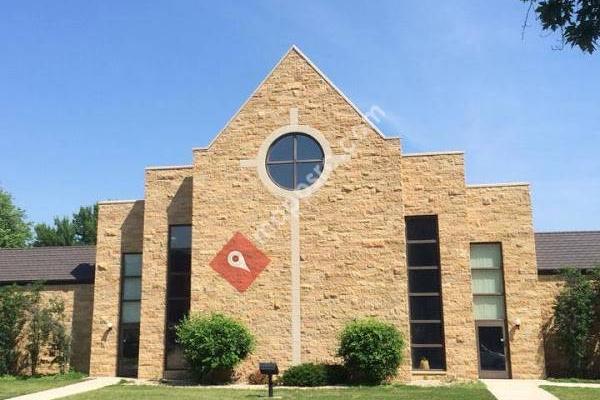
(502, 214)
(435, 185)
(120, 230)
(550, 286)
(350, 238)
(168, 202)
(78, 300)
(351, 230)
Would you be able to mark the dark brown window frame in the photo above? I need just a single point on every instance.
(501, 269)
(294, 162)
(168, 298)
(438, 294)
(493, 322)
(121, 302)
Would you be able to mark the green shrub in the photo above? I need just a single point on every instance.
(213, 344)
(372, 350)
(60, 339)
(307, 374)
(575, 313)
(28, 326)
(310, 374)
(14, 304)
(46, 330)
(336, 374)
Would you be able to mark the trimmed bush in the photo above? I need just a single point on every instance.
(307, 374)
(336, 374)
(310, 374)
(372, 350)
(213, 345)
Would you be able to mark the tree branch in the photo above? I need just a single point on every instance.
(526, 19)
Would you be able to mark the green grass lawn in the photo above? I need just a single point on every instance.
(573, 393)
(396, 392)
(574, 380)
(11, 386)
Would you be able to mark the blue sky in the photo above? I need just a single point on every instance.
(93, 92)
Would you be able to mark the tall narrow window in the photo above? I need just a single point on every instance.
(129, 326)
(178, 290)
(488, 306)
(424, 291)
(488, 287)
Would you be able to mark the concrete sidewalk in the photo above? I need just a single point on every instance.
(517, 389)
(526, 389)
(76, 388)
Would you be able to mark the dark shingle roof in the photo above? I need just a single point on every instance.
(50, 264)
(557, 250)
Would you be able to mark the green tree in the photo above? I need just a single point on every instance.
(38, 332)
(86, 222)
(60, 340)
(578, 21)
(14, 304)
(574, 316)
(28, 325)
(61, 234)
(15, 231)
(46, 328)
(80, 229)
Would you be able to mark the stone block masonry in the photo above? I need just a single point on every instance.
(168, 201)
(351, 238)
(120, 230)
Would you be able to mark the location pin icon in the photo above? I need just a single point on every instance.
(236, 260)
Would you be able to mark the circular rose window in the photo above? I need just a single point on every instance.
(295, 161)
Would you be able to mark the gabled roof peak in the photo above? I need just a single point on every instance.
(295, 49)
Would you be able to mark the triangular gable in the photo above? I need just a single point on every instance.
(295, 49)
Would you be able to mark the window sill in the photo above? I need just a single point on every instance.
(428, 372)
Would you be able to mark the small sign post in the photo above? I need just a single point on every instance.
(270, 369)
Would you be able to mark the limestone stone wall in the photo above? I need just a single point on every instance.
(435, 185)
(549, 287)
(557, 360)
(78, 300)
(351, 237)
(168, 195)
(503, 214)
(120, 230)
(351, 230)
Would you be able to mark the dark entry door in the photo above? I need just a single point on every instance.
(491, 342)
(129, 350)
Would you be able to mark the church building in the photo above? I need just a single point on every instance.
(300, 216)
